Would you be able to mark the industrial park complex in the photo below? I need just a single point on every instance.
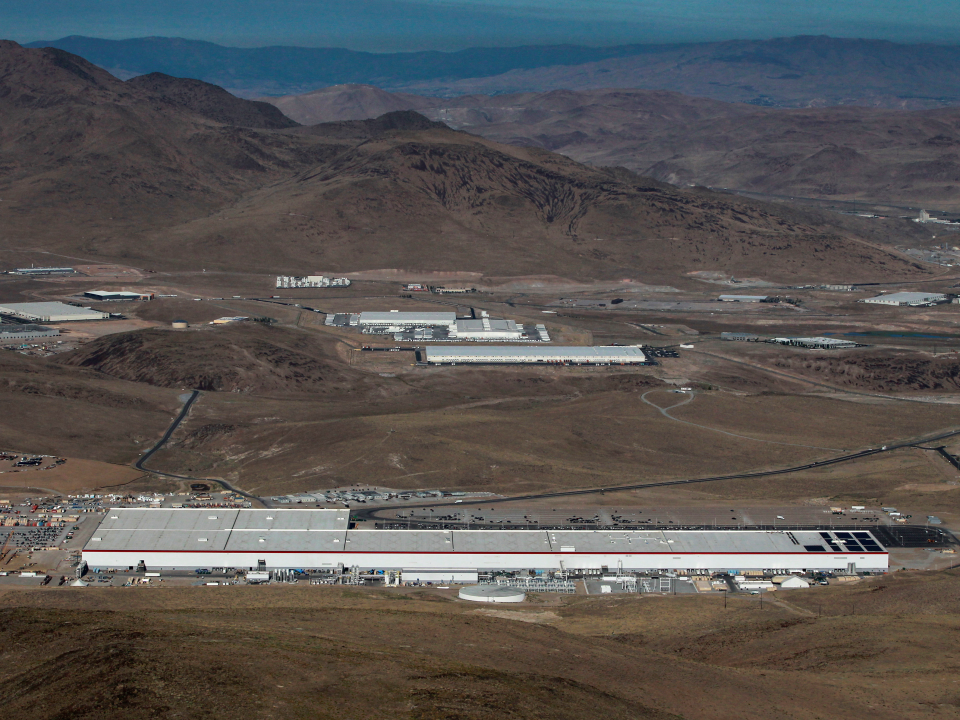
(446, 326)
(321, 539)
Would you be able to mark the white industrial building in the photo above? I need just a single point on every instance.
(45, 271)
(485, 328)
(606, 355)
(118, 296)
(311, 281)
(819, 343)
(397, 319)
(907, 298)
(169, 539)
(743, 298)
(19, 334)
(51, 312)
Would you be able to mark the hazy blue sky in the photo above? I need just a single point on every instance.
(453, 24)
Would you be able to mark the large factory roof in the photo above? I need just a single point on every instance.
(533, 353)
(906, 298)
(51, 312)
(408, 318)
(281, 530)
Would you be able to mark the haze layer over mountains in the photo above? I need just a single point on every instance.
(786, 72)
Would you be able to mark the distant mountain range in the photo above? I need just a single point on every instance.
(839, 153)
(169, 173)
(785, 72)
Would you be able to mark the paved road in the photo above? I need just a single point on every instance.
(166, 436)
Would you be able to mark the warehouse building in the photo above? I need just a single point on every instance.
(169, 539)
(907, 299)
(19, 334)
(607, 355)
(45, 271)
(117, 296)
(739, 336)
(743, 298)
(51, 312)
(439, 327)
(396, 319)
(818, 343)
(485, 328)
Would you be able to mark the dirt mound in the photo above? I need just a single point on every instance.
(248, 358)
(890, 371)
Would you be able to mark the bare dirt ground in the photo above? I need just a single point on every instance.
(74, 476)
(881, 648)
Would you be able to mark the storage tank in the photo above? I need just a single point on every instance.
(492, 594)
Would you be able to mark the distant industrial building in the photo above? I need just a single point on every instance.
(45, 271)
(819, 343)
(439, 326)
(486, 329)
(118, 296)
(741, 336)
(159, 539)
(607, 355)
(907, 298)
(51, 312)
(311, 281)
(19, 334)
(396, 319)
(839, 288)
(743, 298)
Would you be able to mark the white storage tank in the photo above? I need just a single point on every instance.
(492, 594)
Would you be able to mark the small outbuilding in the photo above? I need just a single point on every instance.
(794, 583)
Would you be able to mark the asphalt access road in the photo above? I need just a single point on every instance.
(139, 465)
(366, 514)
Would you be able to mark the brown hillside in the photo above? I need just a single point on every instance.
(111, 170)
(249, 358)
(444, 200)
(211, 101)
(295, 651)
(841, 152)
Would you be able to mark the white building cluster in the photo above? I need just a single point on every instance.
(310, 281)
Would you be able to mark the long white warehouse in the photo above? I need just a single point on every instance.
(395, 318)
(51, 312)
(167, 539)
(907, 298)
(606, 355)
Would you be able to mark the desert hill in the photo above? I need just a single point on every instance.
(838, 153)
(83, 152)
(250, 357)
(801, 71)
(347, 102)
(290, 652)
(211, 101)
(138, 172)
